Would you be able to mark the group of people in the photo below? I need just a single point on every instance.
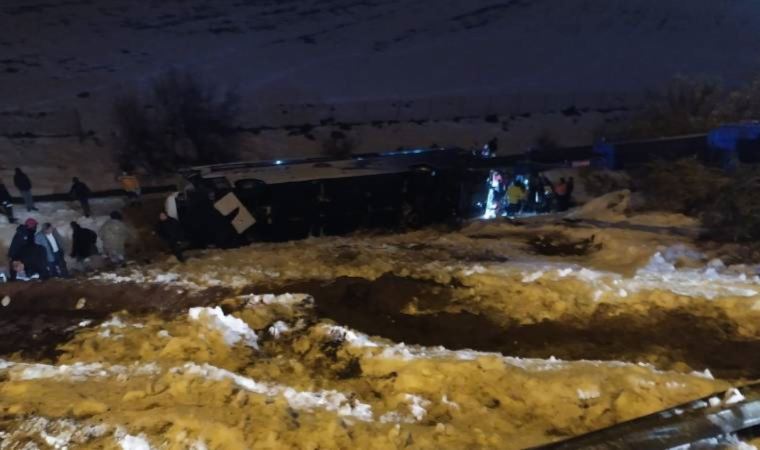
(531, 194)
(79, 191)
(24, 186)
(40, 253)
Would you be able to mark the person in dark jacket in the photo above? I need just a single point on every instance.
(21, 239)
(560, 192)
(23, 249)
(6, 203)
(83, 242)
(493, 147)
(170, 230)
(51, 241)
(81, 192)
(24, 185)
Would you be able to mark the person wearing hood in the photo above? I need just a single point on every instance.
(24, 249)
(18, 244)
(81, 192)
(114, 234)
(83, 242)
(6, 203)
(23, 237)
(51, 241)
(24, 186)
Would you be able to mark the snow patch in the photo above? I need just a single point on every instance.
(233, 330)
(129, 442)
(329, 400)
(58, 433)
(278, 329)
(109, 327)
(530, 278)
(408, 353)
(352, 337)
(589, 394)
(732, 396)
(113, 322)
(283, 299)
(709, 282)
(445, 400)
(166, 278)
(151, 277)
(74, 372)
(417, 411)
(417, 406)
(198, 445)
(712, 281)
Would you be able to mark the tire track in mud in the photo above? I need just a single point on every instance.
(666, 338)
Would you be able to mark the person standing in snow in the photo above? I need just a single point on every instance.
(6, 203)
(170, 230)
(83, 242)
(24, 186)
(560, 191)
(20, 240)
(114, 234)
(532, 196)
(548, 195)
(51, 241)
(130, 184)
(570, 189)
(495, 194)
(491, 148)
(23, 249)
(515, 198)
(81, 192)
(24, 235)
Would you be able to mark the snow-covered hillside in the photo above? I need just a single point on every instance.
(562, 68)
(64, 54)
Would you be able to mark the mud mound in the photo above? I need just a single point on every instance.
(664, 338)
(390, 307)
(41, 315)
(560, 245)
(376, 308)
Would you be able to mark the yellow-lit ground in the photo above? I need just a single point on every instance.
(423, 340)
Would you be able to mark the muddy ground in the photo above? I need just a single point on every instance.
(664, 338)
(42, 315)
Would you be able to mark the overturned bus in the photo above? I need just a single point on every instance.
(228, 205)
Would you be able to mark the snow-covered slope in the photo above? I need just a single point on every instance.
(65, 54)
(545, 66)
